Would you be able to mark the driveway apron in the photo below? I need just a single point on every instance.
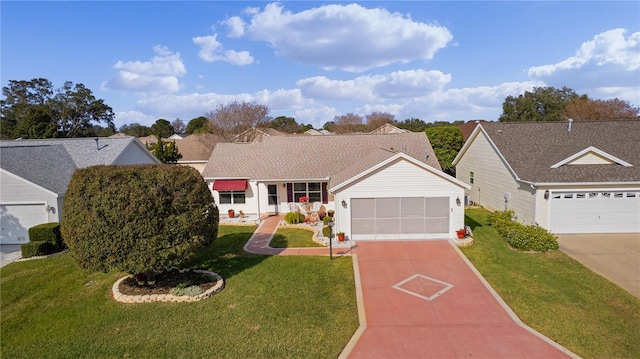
(422, 299)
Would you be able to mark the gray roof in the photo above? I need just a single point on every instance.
(49, 167)
(339, 157)
(531, 148)
(50, 162)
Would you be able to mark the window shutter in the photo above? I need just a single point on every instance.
(289, 192)
(325, 195)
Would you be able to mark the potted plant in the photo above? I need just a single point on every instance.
(304, 199)
(331, 213)
(340, 236)
(461, 233)
(139, 279)
(322, 214)
(231, 213)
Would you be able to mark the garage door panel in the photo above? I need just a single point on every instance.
(437, 225)
(400, 217)
(413, 225)
(595, 212)
(387, 207)
(363, 208)
(412, 207)
(16, 219)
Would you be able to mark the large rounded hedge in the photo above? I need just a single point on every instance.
(137, 218)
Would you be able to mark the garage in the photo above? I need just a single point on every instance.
(595, 212)
(398, 218)
(16, 219)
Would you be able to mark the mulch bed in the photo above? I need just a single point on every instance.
(165, 281)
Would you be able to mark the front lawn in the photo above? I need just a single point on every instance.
(293, 238)
(558, 296)
(271, 307)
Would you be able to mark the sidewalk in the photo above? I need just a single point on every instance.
(424, 299)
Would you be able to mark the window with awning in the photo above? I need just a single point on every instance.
(230, 185)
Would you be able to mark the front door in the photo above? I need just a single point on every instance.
(272, 195)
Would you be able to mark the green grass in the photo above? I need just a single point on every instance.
(293, 238)
(558, 296)
(271, 307)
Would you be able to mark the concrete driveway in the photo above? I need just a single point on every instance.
(9, 253)
(613, 256)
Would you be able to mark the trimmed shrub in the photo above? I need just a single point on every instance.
(521, 236)
(47, 232)
(294, 218)
(326, 231)
(137, 218)
(326, 220)
(37, 248)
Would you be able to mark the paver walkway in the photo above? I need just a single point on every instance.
(424, 299)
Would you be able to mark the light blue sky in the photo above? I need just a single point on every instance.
(315, 60)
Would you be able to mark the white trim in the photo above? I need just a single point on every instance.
(403, 156)
(139, 144)
(30, 183)
(596, 151)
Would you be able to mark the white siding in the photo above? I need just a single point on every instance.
(400, 179)
(492, 180)
(251, 200)
(590, 158)
(15, 191)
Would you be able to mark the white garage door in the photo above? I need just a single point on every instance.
(399, 218)
(595, 212)
(16, 219)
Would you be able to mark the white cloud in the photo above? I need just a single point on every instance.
(130, 117)
(348, 37)
(236, 26)
(158, 75)
(398, 84)
(609, 61)
(211, 50)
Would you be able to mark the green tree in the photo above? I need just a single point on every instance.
(162, 128)
(412, 124)
(446, 142)
(137, 218)
(72, 109)
(543, 104)
(198, 125)
(285, 124)
(135, 129)
(165, 151)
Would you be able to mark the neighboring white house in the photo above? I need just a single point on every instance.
(34, 175)
(385, 187)
(568, 177)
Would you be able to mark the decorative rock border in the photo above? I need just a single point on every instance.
(167, 297)
(466, 242)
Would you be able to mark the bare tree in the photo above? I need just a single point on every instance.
(231, 119)
(588, 109)
(178, 126)
(377, 119)
(348, 123)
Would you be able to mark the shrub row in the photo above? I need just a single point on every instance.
(37, 248)
(44, 239)
(522, 236)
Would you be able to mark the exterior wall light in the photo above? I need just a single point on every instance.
(458, 201)
(546, 194)
(344, 204)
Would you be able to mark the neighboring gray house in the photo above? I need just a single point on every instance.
(34, 175)
(568, 177)
(382, 187)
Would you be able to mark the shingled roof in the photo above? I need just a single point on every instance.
(292, 158)
(533, 148)
(49, 163)
(198, 147)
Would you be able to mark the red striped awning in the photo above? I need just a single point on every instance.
(230, 185)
